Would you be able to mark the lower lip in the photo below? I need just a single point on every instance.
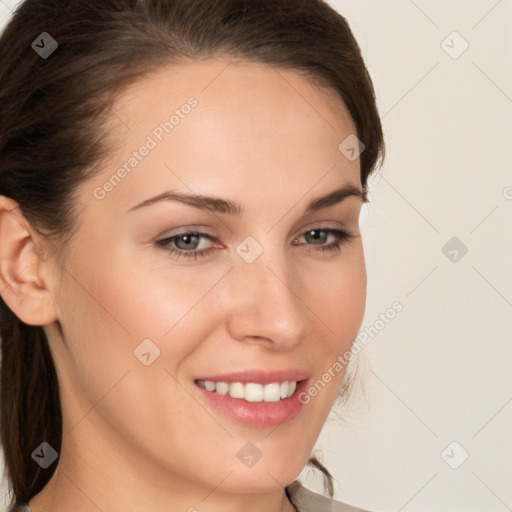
(261, 414)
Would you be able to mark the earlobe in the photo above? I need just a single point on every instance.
(23, 282)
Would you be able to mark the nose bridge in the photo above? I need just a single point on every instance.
(266, 302)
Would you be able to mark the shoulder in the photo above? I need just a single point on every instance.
(309, 501)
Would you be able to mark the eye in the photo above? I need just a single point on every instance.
(319, 236)
(186, 244)
(187, 241)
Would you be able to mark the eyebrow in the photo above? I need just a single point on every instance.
(228, 207)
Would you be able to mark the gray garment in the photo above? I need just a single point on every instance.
(302, 498)
(309, 501)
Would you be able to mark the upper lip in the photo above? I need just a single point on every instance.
(259, 376)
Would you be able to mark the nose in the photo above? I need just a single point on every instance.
(265, 303)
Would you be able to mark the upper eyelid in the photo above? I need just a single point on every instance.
(200, 229)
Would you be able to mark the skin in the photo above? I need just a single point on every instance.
(138, 437)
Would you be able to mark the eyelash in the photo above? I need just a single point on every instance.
(335, 247)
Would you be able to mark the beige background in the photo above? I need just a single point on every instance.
(439, 372)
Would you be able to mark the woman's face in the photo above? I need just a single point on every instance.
(145, 310)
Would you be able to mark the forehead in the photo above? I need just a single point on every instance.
(225, 125)
(232, 85)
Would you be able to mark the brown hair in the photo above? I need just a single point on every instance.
(53, 136)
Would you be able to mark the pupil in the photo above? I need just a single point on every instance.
(316, 233)
(187, 239)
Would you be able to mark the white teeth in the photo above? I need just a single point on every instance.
(283, 389)
(236, 390)
(271, 392)
(251, 391)
(209, 385)
(222, 388)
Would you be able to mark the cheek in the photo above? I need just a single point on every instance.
(104, 319)
(108, 311)
(338, 298)
(347, 300)
(124, 300)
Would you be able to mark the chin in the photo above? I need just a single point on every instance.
(266, 475)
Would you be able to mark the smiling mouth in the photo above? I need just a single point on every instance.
(251, 391)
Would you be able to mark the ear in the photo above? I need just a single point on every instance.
(23, 269)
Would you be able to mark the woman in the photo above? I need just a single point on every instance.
(181, 268)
